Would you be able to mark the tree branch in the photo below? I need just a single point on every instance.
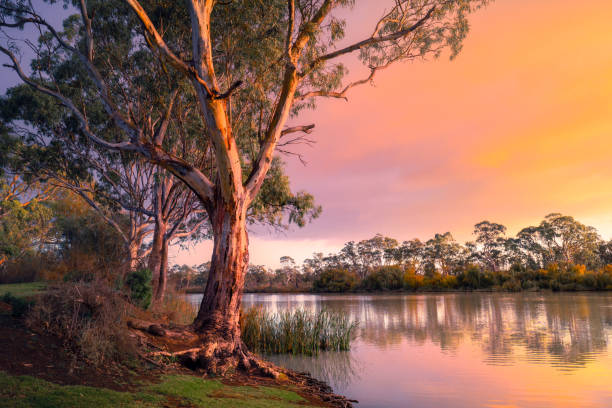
(305, 129)
(290, 27)
(160, 133)
(126, 146)
(283, 105)
(342, 94)
(369, 41)
(78, 190)
(163, 47)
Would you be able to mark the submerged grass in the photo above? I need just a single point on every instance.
(296, 331)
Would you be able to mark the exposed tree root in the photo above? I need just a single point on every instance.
(216, 355)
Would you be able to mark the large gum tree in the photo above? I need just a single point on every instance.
(250, 66)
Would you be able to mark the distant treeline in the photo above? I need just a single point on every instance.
(559, 254)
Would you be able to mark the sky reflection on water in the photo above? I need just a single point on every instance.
(465, 350)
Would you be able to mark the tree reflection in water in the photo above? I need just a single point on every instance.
(562, 330)
(339, 368)
(465, 350)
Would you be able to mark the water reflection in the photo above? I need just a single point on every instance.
(338, 368)
(465, 350)
(566, 330)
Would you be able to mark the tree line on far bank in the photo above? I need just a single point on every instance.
(559, 253)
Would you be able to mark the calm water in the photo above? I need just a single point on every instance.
(465, 350)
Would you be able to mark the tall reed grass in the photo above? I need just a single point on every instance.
(296, 331)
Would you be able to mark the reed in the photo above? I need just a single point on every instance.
(296, 331)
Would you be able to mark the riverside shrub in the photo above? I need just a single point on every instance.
(336, 280)
(384, 278)
(412, 280)
(556, 277)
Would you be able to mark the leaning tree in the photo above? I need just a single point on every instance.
(250, 66)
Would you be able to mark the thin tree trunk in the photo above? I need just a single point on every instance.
(155, 257)
(162, 281)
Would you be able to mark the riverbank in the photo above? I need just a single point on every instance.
(39, 370)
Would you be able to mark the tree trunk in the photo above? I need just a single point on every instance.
(162, 281)
(219, 347)
(218, 319)
(220, 309)
(132, 252)
(156, 263)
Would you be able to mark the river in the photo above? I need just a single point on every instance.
(464, 349)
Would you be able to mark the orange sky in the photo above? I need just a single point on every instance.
(516, 127)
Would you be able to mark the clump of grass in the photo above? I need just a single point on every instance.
(296, 331)
(175, 308)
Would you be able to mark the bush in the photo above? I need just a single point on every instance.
(336, 280)
(19, 306)
(141, 291)
(512, 285)
(475, 278)
(89, 317)
(29, 268)
(412, 281)
(384, 278)
(438, 281)
(470, 278)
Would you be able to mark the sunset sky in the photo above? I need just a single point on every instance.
(516, 127)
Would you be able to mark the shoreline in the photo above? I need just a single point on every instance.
(36, 366)
(407, 292)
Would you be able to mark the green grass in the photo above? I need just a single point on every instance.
(183, 390)
(212, 393)
(22, 289)
(25, 391)
(297, 331)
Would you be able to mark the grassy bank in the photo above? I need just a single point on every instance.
(172, 391)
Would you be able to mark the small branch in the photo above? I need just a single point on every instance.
(342, 94)
(229, 92)
(305, 129)
(160, 133)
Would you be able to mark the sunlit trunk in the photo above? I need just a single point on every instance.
(220, 308)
